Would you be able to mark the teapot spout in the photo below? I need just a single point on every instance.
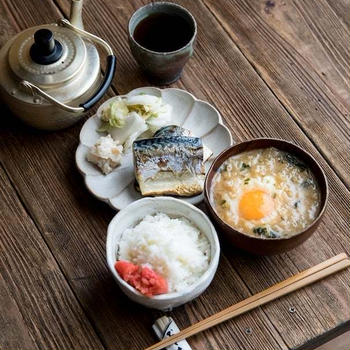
(75, 16)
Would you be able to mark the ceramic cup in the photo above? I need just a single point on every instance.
(162, 68)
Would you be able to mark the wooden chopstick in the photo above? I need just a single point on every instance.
(287, 286)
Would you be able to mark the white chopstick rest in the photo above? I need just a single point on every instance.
(164, 327)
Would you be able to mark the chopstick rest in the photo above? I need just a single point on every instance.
(164, 327)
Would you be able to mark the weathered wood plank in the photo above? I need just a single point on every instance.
(300, 49)
(30, 300)
(16, 15)
(314, 305)
(342, 9)
(50, 311)
(62, 205)
(341, 342)
(13, 331)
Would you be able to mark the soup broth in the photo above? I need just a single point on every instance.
(266, 193)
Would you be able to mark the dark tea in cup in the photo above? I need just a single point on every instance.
(163, 32)
(161, 37)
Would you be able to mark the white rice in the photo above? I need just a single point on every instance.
(174, 248)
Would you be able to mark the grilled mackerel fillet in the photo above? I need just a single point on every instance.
(169, 165)
(174, 130)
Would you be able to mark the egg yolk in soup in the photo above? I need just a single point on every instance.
(255, 204)
(266, 192)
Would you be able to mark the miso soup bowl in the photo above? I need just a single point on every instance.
(131, 216)
(258, 245)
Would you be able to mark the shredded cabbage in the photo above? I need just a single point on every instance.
(114, 115)
(143, 110)
(118, 116)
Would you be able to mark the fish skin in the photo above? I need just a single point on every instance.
(172, 130)
(175, 130)
(169, 165)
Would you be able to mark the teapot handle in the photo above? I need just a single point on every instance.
(110, 68)
(107, 80)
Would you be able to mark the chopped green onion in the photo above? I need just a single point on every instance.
(244, 166)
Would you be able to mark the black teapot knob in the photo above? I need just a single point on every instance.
(46, 49)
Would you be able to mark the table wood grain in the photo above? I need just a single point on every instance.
(272, 68)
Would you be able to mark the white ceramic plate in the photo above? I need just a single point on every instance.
(117, 188)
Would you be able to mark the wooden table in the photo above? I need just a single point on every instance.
(273, 68)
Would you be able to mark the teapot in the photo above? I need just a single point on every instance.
(50, 75)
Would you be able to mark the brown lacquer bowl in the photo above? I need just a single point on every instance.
(257, 245)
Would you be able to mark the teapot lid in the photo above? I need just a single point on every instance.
(47, 55)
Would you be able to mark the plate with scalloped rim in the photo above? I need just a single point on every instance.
(118, 187)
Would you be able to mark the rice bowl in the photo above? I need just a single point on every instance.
(175, 208)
